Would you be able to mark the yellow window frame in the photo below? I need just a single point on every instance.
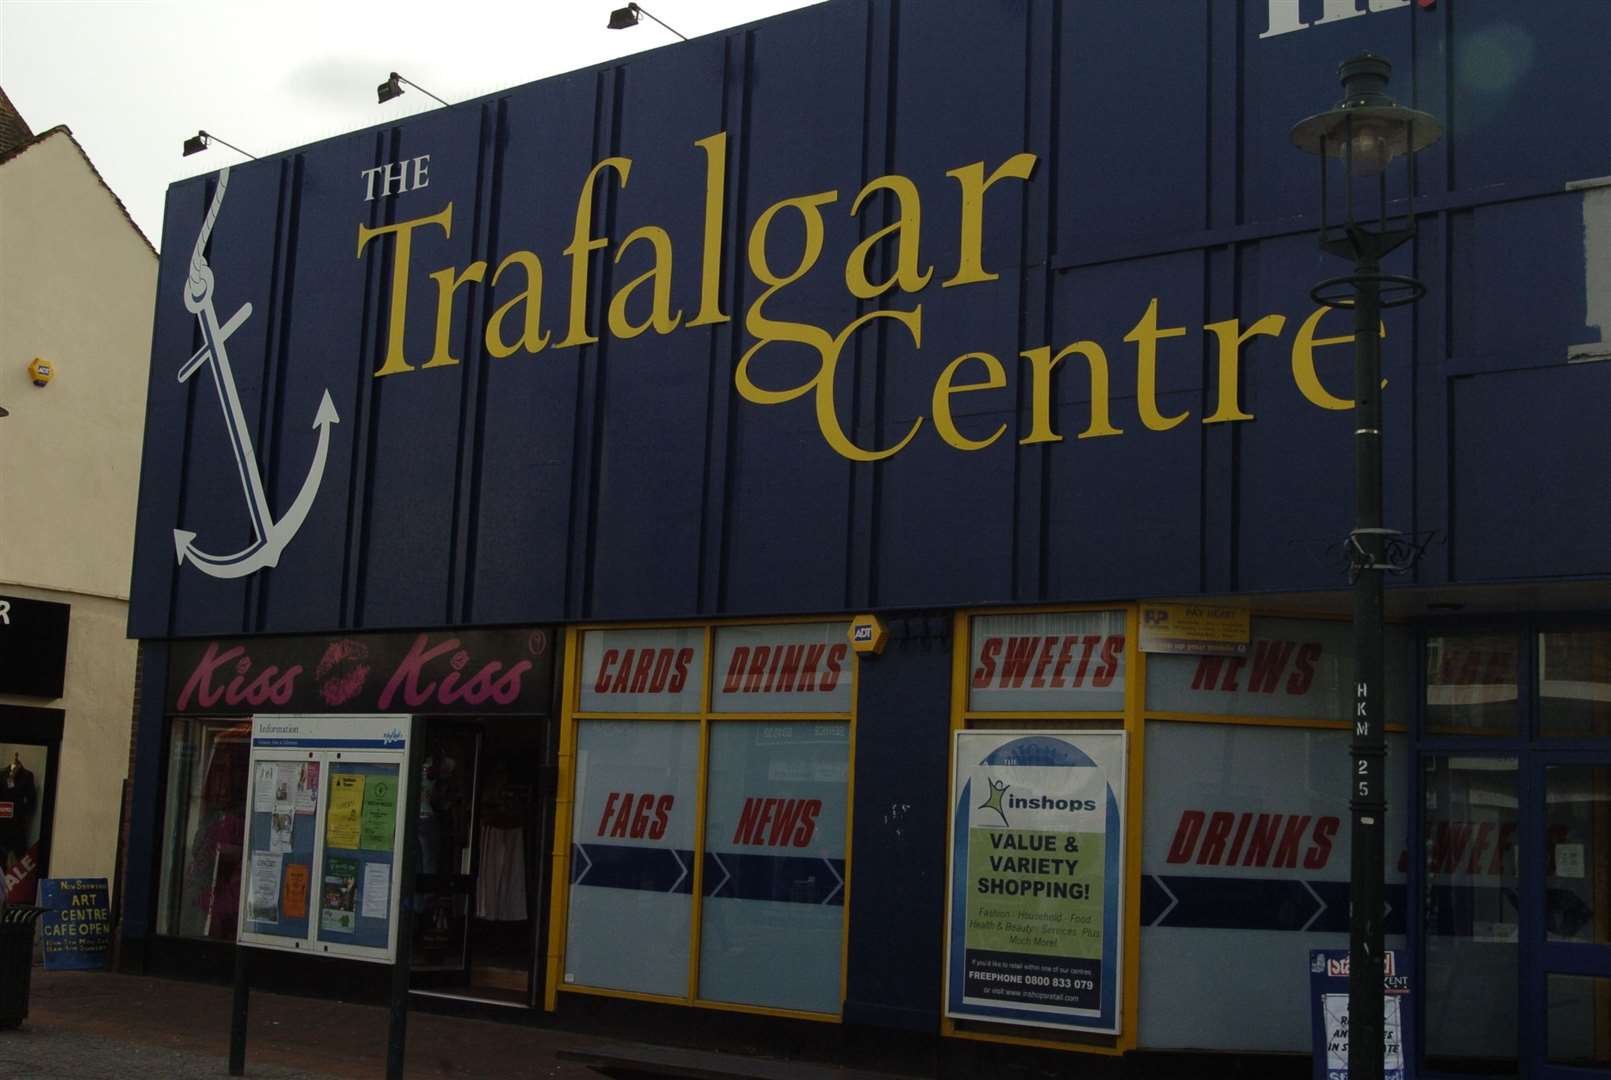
(1130, 720)
(565, 808)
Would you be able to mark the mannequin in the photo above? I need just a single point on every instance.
(16, 788)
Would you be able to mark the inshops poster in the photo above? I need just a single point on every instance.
(1034, 922)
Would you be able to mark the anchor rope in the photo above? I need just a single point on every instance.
(199, 287)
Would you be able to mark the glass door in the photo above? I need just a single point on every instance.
(444, 884)
(1569, 902)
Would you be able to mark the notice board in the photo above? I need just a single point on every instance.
(324, 829)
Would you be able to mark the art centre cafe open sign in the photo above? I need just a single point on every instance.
(1037, 849)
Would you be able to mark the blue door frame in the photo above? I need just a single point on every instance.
(1538, 957)
(1541, 906)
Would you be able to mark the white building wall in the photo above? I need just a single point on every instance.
(77, 282)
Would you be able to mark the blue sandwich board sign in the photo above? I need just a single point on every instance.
(1328, 1013)
(77, 924)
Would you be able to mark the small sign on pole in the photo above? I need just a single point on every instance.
(1328, 1013)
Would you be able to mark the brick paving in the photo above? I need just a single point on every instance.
(93, 1025)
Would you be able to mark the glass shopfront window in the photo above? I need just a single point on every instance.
(1471, 917)
(1245, 867)
(201, 856)
(1574, 684)
(1472, 683)
(750, 910)
(1293, 668)
(775, 864)
(1577, 854)
(632, 855)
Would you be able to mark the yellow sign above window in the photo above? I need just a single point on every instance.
(1200, 629)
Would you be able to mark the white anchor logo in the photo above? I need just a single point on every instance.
(269, 536)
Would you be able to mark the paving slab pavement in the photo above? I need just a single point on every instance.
(95, 1025)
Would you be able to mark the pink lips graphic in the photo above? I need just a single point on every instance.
(342, 671)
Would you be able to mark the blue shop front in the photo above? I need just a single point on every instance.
(856, 501)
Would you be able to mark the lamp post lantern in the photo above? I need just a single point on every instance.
(1366, 132)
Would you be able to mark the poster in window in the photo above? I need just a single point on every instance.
(1037, 849)
(632, 856)
(1072, 661)
(776, 864)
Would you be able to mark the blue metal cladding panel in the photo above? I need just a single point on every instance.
(521, 507)
(321, 340)
(931, 493)
(651, 474)
(787, 511)
(1517, 283)
(1149, 478)
(1109, 84)
(417, 419)
(213, 501)
(638, 475)
(897, 906)
(167, 416)
(1500, 492)
(1519, 105)
(1281, 78)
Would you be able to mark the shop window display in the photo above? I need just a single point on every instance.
(709, 852)
(201, 859)
(22, 789)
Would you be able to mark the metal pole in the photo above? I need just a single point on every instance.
(1368, 803)
(407, 789)
(237, 1012)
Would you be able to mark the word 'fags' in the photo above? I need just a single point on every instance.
(639, 817)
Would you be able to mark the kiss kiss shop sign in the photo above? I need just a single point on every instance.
(429, 672)
(888, 266)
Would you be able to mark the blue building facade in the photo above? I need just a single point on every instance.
(585, 417)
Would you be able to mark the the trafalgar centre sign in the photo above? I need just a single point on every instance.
(517, 326)
(1035, 914)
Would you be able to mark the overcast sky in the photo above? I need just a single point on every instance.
(134, 78)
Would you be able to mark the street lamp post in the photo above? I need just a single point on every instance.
(1366, 131)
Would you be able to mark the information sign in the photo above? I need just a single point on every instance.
(1035, 913)
(77, 924)
(1197, 629)
(323, 834)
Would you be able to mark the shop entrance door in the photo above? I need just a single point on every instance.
(482, 800)
(1567, 901)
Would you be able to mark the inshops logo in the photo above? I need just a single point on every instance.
(1001, 802)
(1047, 802)
(997, 793)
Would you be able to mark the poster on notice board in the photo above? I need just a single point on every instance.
(1034, 923)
